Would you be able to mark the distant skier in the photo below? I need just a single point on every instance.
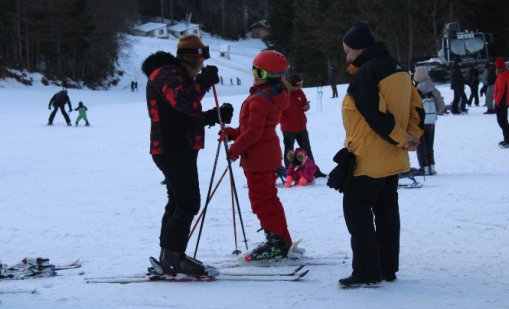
(333, 80)
(433, 104)
(58, 101)
(82, 110)
(501, 98)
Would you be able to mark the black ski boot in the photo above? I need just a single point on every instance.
(274, 248)
(177, 262)
(357, 282)
(320, 174)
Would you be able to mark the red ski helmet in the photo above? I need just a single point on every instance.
(269, 63)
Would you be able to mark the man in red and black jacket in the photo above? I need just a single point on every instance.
(175, 89)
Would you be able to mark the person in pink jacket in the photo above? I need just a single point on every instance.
(302, 168)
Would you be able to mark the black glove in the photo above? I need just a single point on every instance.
(341, 176)
(226, 111)
(208, 77)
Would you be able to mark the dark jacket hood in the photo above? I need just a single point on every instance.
(375, 50)
(157, 60)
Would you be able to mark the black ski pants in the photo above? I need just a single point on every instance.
(459, 95)
(375, 243)
(502, 121)
(425, 151)
(181, 175)
(54, 112)
(334, 88)
(474, 94)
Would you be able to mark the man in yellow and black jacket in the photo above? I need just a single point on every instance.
(383, 119)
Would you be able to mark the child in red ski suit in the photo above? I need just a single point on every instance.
(302, 169)
(257, 144)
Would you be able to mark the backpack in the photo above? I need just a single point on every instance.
(430, 109)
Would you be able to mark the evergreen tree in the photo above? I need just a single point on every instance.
(280, 18)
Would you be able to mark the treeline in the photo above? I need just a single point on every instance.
(80, 39)
(310, 31)
(64, 39)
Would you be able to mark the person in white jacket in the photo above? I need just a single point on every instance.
(434, 105)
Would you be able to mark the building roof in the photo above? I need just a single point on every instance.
(149, 27)
(261, 23)
(182, 27)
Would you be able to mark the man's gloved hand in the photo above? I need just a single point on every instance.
(49, 107)
(208, 77)
(226, 111)
(211, 116)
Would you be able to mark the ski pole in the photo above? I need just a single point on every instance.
(232, 179)
(204, 210)
(236, 251)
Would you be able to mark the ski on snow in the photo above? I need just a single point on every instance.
(153, 276)
(34, 268)
(187, 278)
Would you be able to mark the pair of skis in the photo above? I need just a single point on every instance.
(153, 276)
(34, 268)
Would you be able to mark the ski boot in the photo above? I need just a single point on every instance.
(356, 282)
(320, 174)
(177, 262)
(275, 248)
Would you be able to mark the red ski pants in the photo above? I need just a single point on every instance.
(265, 203)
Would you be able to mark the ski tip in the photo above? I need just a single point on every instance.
(247, 259)
(299, 277)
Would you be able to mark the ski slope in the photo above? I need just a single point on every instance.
(93, 193)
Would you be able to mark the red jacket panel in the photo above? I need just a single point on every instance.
(501, 88)
(293, 118)
(256, 140)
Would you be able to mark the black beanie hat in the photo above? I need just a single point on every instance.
(359, 36)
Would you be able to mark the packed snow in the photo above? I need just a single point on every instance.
(94, 193)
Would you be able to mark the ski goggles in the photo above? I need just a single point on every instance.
(197, 52)
(262, 74)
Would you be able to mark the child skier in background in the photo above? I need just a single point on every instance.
(302, 168)
(82, 110)
(434, 105)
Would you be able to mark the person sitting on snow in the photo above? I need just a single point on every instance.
(302, 168)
